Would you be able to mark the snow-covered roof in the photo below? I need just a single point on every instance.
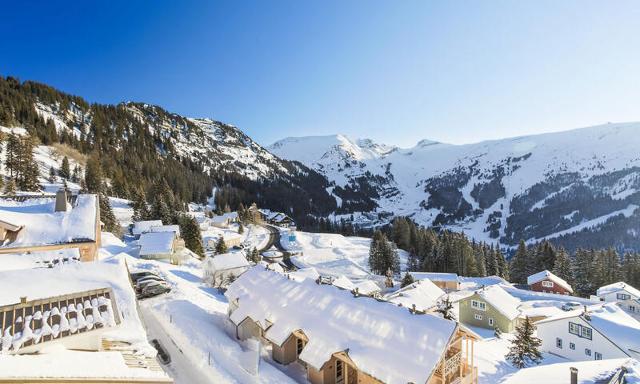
(547, 311)
(155, 243)
(140, 227)
(500, 300)
(305, 273)
(43, 226)
(39, 259)
(367, 287)
(589, 372)
(166, 228)
(343, 282)
(227, 261)
(479, 282)
(527, 295)
(546, 275)
(617, 287)
(423, 293)
(611, 321)
(435, 276)
(386, 342)
(220, 219)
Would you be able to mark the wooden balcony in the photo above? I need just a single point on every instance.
(455, 370)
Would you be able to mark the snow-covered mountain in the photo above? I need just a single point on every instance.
(580, 187)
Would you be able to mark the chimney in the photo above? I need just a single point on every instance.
(574, 375)
(61, 200)
(23, 299)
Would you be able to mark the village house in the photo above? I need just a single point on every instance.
(446, 281)
(626, 296)
(546, 281)
(421, 295)
(166, 228)
(612, 371)
(222, 269)
(490, 307)
(144, 226)
(162, 246)
(329, 332)
(50, 223)
(591, 333)
(76, 311)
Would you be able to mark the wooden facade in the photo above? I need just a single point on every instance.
(549, 286)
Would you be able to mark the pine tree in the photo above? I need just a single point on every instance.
(583, 272)
(107, 216)
(190, 232)
(160, 211)
(221, 246)
(497, 333)
(27, 169)
(525, 347)
(11, 157)
(518, 267)
(65, 171)
(445, 308)
(503, 266)
(255, 255)
(240, 229)
(93, 174)
(10, 188)
(75, 176)
(139, 204)
(52, 175)
(562, 266)
(406, 280)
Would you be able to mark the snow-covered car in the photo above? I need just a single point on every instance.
(570, 306)
(136, 276)
(154, 288)
(146, 281)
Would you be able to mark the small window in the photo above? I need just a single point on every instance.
(548, 284)
(479, 305)
(339, 369)
(491, 321)
(477, 317)
(586, 332)
(632, 308)
(299, 346)
(597, 356)
(574, 328)
(572, 346)
(623, 296)
(558, 343)
(587, 351)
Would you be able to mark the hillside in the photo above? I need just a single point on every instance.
(578, 187)
(140, 144)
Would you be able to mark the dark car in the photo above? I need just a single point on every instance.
(163, 355)
(154, 288)
(135, 276)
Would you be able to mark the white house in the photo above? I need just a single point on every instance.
(422, 295)
(220, 269)
(140, 227)
(157, 245)
(166, 228)
(586, 372)
(626, 296)
(591, 333)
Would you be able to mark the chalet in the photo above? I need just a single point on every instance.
(546, 281)
(329, 332)
(161, 246)
(140, 227)
(421, 295)
(626, 296)
(224, 220)
(591, 333)
(490, 307)
(221, 269)
(343, 282)
(368, 288)
(611, 371)
(446, 281)
(50, 223)
(84, 308)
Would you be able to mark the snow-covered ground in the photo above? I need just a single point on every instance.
(333, 254)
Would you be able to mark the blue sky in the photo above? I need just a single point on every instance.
(394, 71)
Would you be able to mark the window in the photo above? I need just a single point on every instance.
(623, 296)
(339, 369)
(632, 308)
(597, 356)
(479, 305)
(299, 346)
(491, 321)
(477, 317)
(548, 284)
(558, 343)
(580, 330)
(572, 346)
(587, 351)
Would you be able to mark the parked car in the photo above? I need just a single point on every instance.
(163, 355)
(154, 288)
(135, 276)
(570, 306)
(146, 281)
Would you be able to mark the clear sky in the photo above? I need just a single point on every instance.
(394, 71)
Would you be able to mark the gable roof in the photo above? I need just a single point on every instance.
(435, 276)
(140, 227)
(500, 300)
(617, 287)
(335, 321)
(367, 287)
(423, 293)
(546, 275)
(343, 282)
(166, 228)
(612, 322)
(227, 261)
(589, 372)
(154, 243)
(43, 226)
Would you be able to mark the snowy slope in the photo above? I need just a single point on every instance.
(529, 187)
